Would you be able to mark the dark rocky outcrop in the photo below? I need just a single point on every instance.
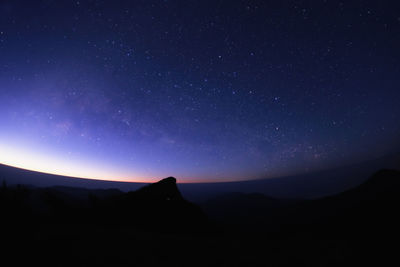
(155, 207)
(160, 204)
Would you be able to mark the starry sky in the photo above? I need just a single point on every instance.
(206, 91)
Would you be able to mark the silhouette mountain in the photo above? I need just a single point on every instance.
(156, 204)
(165, 190)
(147, 227)
(381, 189)
(381, 184)
(369, 207)
(159, 203)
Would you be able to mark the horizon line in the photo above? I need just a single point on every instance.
(124, 181)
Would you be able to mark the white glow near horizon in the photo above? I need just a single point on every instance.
(34, 161)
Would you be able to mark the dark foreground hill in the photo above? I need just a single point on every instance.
(147, 208)
(369, 209)
(156, 226)
(307, 185)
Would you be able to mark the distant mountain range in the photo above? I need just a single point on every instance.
(147, 208)
(310, 185)
(367, 208)
(155, 224)
(307, 185)
(162, 202)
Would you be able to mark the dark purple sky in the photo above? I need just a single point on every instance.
(199, 90)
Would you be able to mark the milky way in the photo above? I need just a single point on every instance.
(199, 90)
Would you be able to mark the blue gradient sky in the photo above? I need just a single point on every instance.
(202, 91)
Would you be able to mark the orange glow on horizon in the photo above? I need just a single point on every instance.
(26, 159)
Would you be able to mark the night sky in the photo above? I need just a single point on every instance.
(199, 90)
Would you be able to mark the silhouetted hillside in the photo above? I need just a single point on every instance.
(156, 226)
(381, 184)
(153, 205)
(308, 185)
(370, 207)
(158, 204)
